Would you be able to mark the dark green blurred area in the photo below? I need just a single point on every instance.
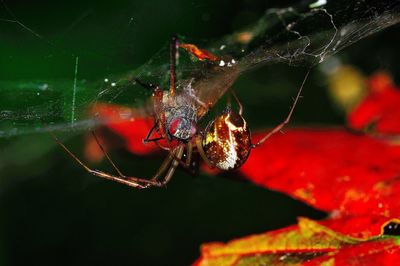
(53, 213)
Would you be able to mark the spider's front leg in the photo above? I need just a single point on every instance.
(168, 167)
(178, 153)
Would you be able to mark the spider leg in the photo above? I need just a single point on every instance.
(189, 150)
(281, 125)
(237, 101)
(106, 154)
(165, 165)
(162, 147)
(185, 164)
(178, 153)
(192, 162)
(147, 139)
(173, 55)
(159, 112)
(126, 180)
(199, 145)
(152, 140)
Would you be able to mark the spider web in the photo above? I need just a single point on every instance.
(302, 35)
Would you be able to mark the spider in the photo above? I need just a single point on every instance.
(224, 144)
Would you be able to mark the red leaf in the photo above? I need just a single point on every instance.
(129, 124)
(331, 170)
(360, 226)
(354, 177)
(380, 108)
(308, 243)
(382, 252)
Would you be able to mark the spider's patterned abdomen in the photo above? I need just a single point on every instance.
(227, 141)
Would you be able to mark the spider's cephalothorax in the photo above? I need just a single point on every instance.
(180, 117)
(227, 140)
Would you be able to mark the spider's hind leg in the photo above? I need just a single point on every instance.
(288, 117)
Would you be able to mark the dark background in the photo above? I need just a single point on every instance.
(53, 213)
